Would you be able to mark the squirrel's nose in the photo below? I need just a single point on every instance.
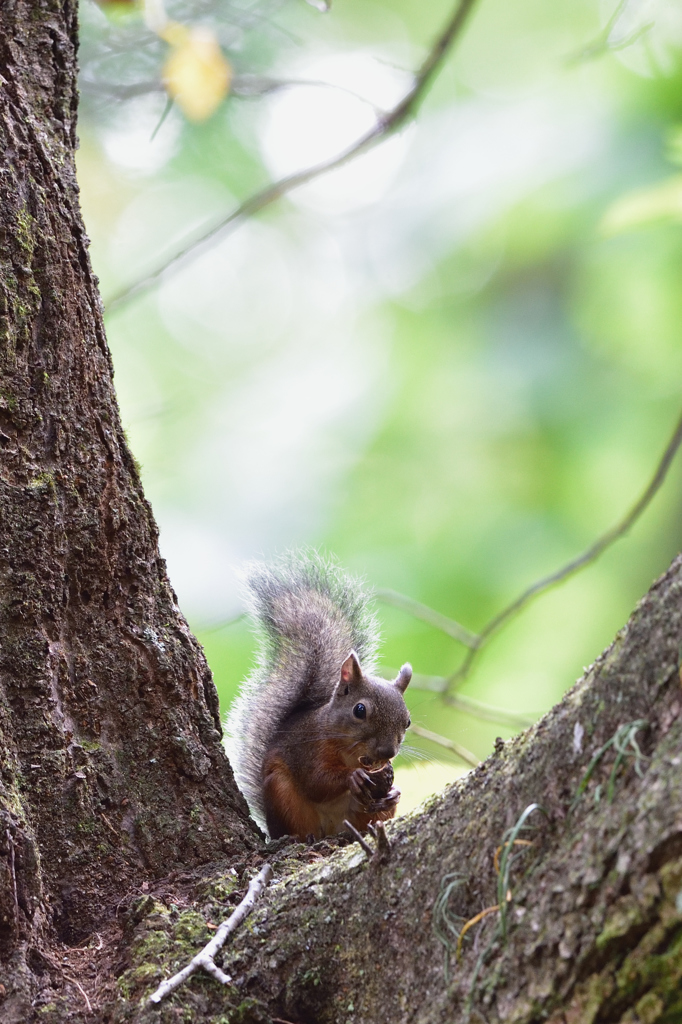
(386, 752)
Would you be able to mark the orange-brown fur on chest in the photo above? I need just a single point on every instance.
(311, 798)
(287, 812)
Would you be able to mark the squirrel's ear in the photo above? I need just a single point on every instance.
(404, 676)
(350, 670)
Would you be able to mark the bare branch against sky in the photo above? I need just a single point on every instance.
(386, 124)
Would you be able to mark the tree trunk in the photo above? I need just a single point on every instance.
(112, 766)
(123, 837)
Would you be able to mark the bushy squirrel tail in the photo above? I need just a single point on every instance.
(309, 614)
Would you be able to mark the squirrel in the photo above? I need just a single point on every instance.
(313, 730)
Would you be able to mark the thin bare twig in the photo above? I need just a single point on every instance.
(67, 977)
(382, 853)
(81, 990)
(602, 44)
(476, 708)
(255, 86)
(215, 627)
(242, 86)
(385, 125)
(205, 957)
(462, 753)
(489, 712)
(574, 566)
(426, 614)
(476, 642)
(359, 838)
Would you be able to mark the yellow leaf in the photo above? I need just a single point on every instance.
(196, 74)
(174, 33)
(645, 206)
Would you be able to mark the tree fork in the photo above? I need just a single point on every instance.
(111, 765)
(594, 903)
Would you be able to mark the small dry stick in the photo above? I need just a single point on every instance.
(205, 957)
(363, 842)
(111, 828)
(67, 977)
(81, 990)
(383, 850)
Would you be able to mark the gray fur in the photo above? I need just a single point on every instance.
(309, 614)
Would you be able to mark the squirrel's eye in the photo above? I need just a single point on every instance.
(360, 711)
(409, 723)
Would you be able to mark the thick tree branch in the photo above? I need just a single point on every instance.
(110, 744)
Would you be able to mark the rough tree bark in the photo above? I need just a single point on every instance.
(112, 765)
(123, 840)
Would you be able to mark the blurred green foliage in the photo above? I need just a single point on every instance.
(448, 368)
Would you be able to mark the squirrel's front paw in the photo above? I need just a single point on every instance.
(372, 786)
(361, 787)
(386, 803)
(375, 792)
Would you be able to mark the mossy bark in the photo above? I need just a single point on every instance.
(111, 764)
(122, 837)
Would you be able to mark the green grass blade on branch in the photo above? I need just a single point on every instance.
(504, 897)
(507, 858)
(446, 924)
(624, 740)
